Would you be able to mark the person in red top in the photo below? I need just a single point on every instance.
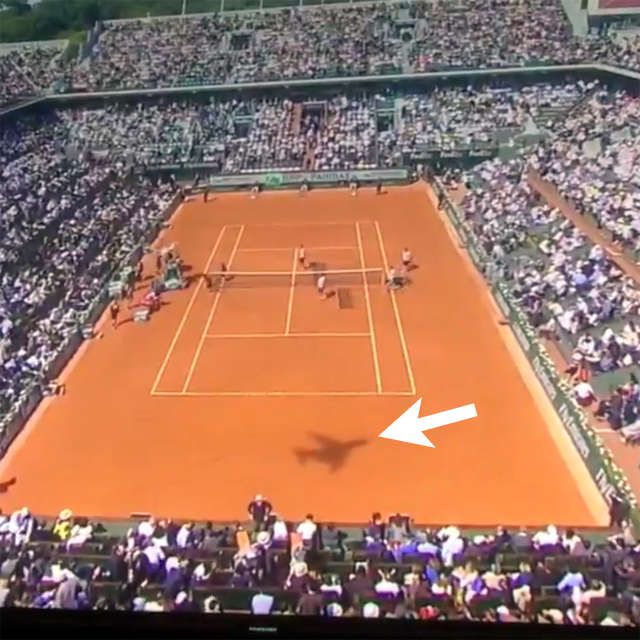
(114, 310)
(584, 371)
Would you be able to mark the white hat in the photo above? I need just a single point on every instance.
(371, 610)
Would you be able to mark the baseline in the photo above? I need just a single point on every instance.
(281, 393)
(257, 249)
(291, 334)
(340, 223)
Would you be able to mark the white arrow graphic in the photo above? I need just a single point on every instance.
(409, 427)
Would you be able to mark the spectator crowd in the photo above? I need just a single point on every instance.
(27, 71)
(387, 569)
(571, 288)
(66, 224)
(338, 132)
(451, 118)
(315, 42)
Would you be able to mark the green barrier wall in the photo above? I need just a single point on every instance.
(279, 179)
(607, 475)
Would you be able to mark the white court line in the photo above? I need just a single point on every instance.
(288, 335)
(211, 314)
(178, 332)
(604, 430)
(340, 223)
(374, 350)
(254, 249)
(403, 342)
(206, 394)
(287, 324)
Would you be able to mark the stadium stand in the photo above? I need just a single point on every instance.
(473, 117)
(65, 224)
(70, 201)
(28, 69)
(387, 568)
(312, 42)
(233, 48)
(570, 288)
(338, 132)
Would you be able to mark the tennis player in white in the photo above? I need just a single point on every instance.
(302, 256)
(321, 284)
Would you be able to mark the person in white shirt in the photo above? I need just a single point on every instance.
(146, 528)
(394, 279)
(185, 535)
(321, 285)
(79, 535)
(307, 529)
(280, 529)
(385, 586)
(21, 526)
(453, 545)
(155, 555)
(406, 258)
(548, 536)
(584, 394)
(302, 256)
(262, 604)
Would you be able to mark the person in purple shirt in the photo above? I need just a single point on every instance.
(570, 580)
(431, 572)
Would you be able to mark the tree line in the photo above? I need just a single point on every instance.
(51, 19)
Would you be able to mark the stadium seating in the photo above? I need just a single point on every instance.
(152, 566)
(314, 42)
(570, 288)
(29, 70)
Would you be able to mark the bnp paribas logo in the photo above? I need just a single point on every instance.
(273, 179)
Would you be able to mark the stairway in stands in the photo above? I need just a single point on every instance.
(297, 118)
(309, 155)
(308, 162)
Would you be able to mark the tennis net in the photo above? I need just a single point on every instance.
(255, 279)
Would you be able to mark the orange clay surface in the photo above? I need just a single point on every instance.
(218, 397)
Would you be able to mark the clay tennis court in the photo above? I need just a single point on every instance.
(260, 385)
